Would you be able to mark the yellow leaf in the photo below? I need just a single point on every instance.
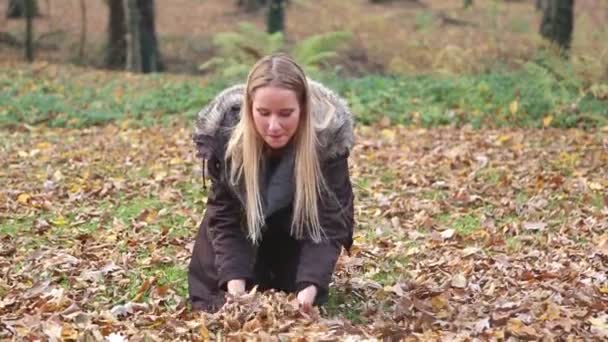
(57, 176)
(124, 124)
(513, 106)
(389, 134)
(503, 139)
(552, 313)
(595, 186)
(439, 302)
(43, 145)
(111, 238)
(68, 332)
(75, 188)
(22, 154)
(60, 221)
(23, 198)
(176, 160)
(547, 120)
(160, 175)
(204, 331)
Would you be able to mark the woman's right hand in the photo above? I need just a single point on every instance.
(236, 287)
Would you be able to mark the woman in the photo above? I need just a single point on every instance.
(281, 204)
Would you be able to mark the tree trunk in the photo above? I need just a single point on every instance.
(151, 59)
(16, 9)
(29, 30)
(558, 22)
(142, 52)
(276, 16)
(83, 29)
(133, 36)
(116, 52)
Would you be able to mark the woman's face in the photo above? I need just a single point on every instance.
(276, 114)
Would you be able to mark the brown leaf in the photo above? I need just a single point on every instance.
(602, 244)
(516, 327)
(459, 280)
(448, 233)
(482, 325)
(439, 302)
(599, 325)
(534, 226)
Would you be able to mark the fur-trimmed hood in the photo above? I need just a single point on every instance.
(335, 137)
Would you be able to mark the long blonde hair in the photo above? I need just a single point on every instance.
(245, 150)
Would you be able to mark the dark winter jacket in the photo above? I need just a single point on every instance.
(222, 251)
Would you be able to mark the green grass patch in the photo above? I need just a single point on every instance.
(388, 176)
(490, 175)
(131, 208)
(389, 272)
(175, 277)
(541, 87)
(464, 225)
(14, 227)
(597, 199)
(341, 304)
(433, 194)
(514, 245)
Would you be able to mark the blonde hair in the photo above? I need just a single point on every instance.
(245, 150)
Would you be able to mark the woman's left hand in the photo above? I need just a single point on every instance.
(306, 297)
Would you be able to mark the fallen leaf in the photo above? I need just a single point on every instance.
(599, 325)
(459, 281)
(52, 330)
(534, 226)
(448, 233)
(519, 329)
(513, 107)
(439, 302)
(602, 244)
(114, 337)
(482, 325)
(23, 198)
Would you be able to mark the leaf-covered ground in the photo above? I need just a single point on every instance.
(493, 234)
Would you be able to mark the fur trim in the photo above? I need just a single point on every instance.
(335, 136)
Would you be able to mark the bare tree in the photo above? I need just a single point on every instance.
(558, 22)
(83, 29)
(143, 54)
(276, 16)
(29, 30)
(16, 9)
(116, 51)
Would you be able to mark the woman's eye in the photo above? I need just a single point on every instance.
(263, 113)
(285, 114)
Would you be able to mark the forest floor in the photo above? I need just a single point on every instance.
(487, 233)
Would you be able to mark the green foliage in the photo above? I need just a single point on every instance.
(424, 20)
(32, 99)
(544, 88)
(238, 51)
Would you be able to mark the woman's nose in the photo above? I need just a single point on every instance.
(274, 125)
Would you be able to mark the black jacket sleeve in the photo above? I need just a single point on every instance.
(234, 253)
(336, 213)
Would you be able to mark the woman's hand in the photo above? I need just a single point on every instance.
(236, 287)
(306, 297)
